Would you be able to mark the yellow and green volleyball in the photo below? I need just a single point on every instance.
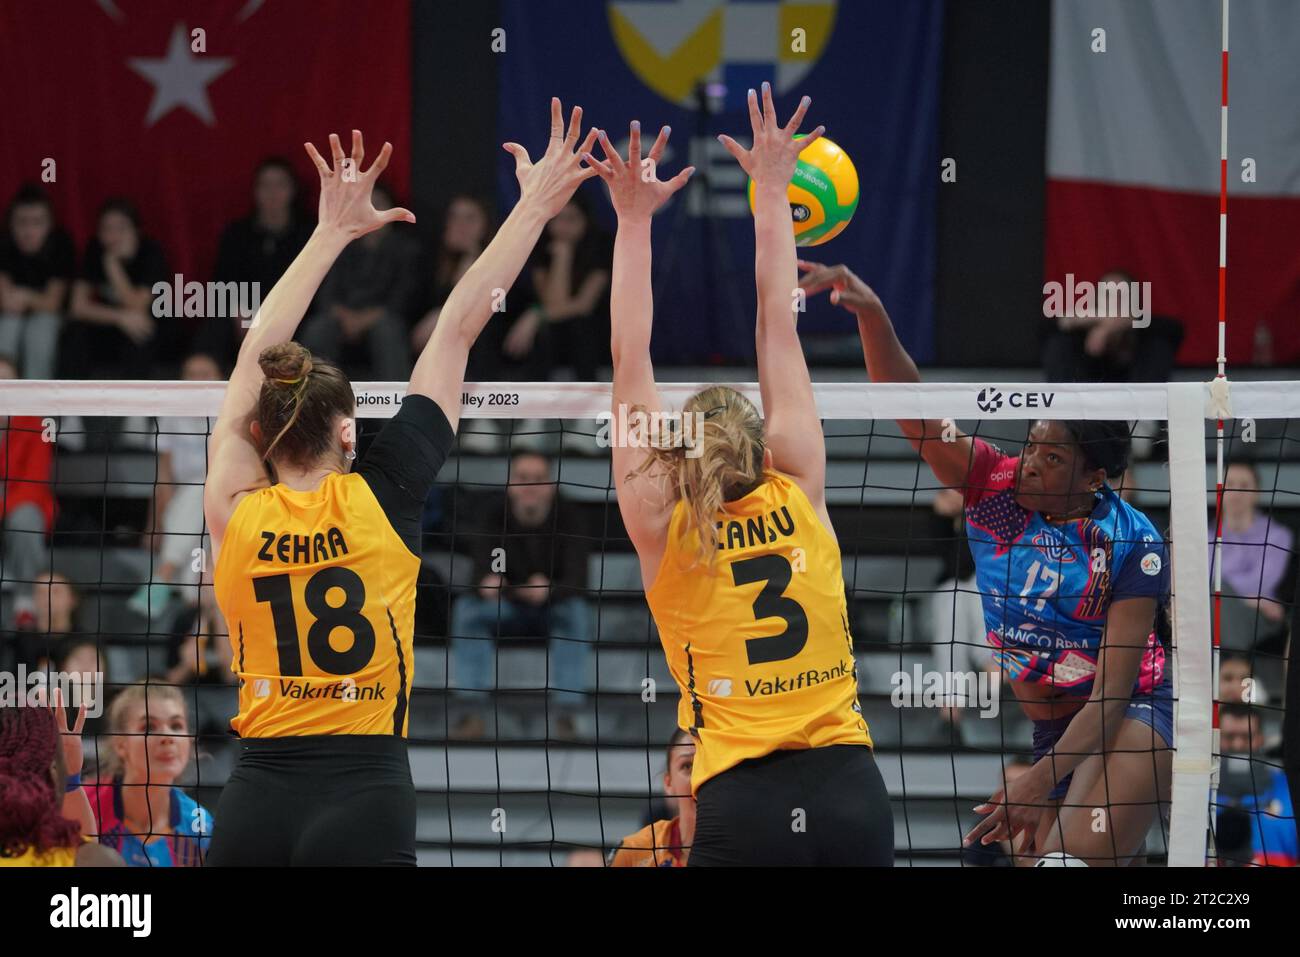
(823, 193)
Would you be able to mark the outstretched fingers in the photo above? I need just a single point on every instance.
(634, 144)
(575, 128)
(381, 162)
(603, 170)
(819, 277)
(755, 116)
(358, 150)
(557, 119)
(735, 149)
(336, 151)
(811, 138)
(318, 161)
(793, 126)
(660, 143)
(681, 179)
(519, 153)
(611, 154)
(769, 108)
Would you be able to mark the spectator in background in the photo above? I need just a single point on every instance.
(198, 661)
(466, 230)
(1097, 348)
(140, 813)
(257, 249)
(1248, 783)
(1237, 683)
(178, 502)
(1256, 554)
(569, 324)
(81, 655)
(365, 300)
(26, 504)
(666, 843)
(37, 261)
(47, 641)
(1108, 348)
(113, 333)
(531, 573)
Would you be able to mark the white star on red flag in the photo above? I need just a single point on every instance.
(180, 78)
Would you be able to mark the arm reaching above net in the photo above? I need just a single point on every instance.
(793, 428)
(888, 361)
(636, 192)
(345, 213)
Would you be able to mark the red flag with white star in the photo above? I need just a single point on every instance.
(172, 104)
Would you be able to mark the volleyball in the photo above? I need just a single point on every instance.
(823, 193)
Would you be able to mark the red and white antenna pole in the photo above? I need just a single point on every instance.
(1223, 360)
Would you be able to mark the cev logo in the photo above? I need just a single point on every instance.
(674, 46)
(989, 400)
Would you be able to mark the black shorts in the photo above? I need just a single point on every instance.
(316, 800)
(817, 806)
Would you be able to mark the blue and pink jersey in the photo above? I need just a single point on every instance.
(1046, 588)
(181, 841)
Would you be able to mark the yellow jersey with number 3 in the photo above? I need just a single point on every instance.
(318, 591)
(759, 641)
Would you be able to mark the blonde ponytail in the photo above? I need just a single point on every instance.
(721, 460)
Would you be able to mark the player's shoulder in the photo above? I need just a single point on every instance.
(638, 850)
(1133, 525)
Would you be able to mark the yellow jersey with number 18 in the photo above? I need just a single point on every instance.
(759, 641)
(318, 591)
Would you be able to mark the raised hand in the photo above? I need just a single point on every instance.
(634, 186)
(345, 191)
(772, 158)
(846, 288)
(550, 182)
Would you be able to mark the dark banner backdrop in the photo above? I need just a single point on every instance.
(873, 71)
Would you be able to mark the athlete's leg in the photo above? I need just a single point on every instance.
(253, 824)
(750, 816)
(1112, 803)
(851, 819)
(366, 826)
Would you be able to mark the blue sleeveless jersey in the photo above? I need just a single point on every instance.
(1046, 588)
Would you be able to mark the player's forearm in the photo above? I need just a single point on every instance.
(471, 303)
(631, 299)
(1092, 730)
(76, 807)
(287, 303)
(886, 359)
(775, 262)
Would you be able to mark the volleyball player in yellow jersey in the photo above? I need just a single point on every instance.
(316, 564)
(740, 563)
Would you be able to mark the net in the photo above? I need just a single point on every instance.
(541, 710)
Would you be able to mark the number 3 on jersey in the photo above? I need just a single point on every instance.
(774, 572)
(277, 591)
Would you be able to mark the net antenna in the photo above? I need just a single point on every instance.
(1222, 408)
